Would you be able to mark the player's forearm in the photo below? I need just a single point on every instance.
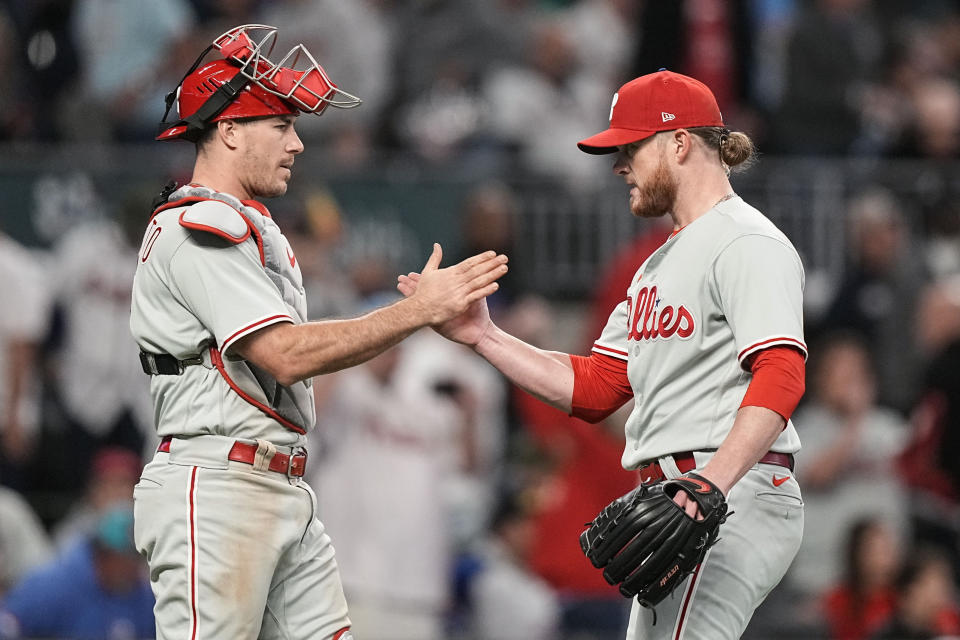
(292, 353)
(547, 375)
(754, 432)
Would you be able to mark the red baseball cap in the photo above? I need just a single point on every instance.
(661, 101)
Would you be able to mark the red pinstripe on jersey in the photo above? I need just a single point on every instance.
(772, 341)
(609, 351)
(239, 333)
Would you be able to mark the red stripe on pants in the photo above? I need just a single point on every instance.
(686, 601)
(193, 554)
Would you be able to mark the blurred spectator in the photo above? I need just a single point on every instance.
(317, 232)
(833, 55)
(927, 606)
(438, 109)
(508, 599)
(350, 40)
(489, 221)
(878, 293)
(23, 323)
(942, 239)
(603, 33)
(850, 446)
(863, 600)
(572, 492)
(433, 363)
(120, 45)
(97, 590)
(711, 40)
(47, 64)
(936, 124)
(113, 472)
(99, 382)
(929, 463)
(568, 490)
(24, 544)
(224, 14)
(388, 452)
(542, 108)
(15, 114)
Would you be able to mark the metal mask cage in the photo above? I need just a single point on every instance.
(297, 77)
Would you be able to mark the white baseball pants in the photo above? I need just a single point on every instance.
(233, 552)
(756, 546)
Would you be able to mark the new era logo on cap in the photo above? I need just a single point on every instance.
(661, 101)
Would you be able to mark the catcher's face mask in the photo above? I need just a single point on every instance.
(245, 83)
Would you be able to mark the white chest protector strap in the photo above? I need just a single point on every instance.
(227, 217)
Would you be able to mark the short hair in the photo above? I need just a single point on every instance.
(211, 127)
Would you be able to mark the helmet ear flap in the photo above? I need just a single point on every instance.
(173, 98)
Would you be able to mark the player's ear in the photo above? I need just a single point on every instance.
(680, 144)
(228, 131)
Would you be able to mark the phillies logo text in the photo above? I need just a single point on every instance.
(648, 320)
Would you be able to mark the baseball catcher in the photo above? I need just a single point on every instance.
(647, 544)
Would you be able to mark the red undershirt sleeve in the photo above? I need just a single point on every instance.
(778, 380)
(600, 386)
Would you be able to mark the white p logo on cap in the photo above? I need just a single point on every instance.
(616, 97)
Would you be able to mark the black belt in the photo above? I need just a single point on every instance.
(164, 364)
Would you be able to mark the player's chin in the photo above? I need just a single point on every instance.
(646, 212)
(277, 188)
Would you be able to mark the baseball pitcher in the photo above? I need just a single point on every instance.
(709, 342)
(227, 524)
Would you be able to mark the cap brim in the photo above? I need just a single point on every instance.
(172, 133)
(608, 141)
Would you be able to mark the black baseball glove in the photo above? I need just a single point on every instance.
(647, 544)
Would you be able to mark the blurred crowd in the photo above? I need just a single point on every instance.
(454, 500)
(490, 82)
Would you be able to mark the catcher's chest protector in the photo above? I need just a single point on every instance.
(237, 221)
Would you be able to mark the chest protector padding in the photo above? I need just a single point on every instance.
(292, 406)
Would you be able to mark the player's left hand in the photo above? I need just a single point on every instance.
(467, 328)
(646, 545)
(689, 505)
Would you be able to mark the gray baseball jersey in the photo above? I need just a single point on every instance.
(235, 547)
(725, 286)
(722, 288)
(196, 290)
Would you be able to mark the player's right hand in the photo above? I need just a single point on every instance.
(454, 297)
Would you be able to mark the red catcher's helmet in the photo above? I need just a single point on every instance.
(246, 84)
(199, 86)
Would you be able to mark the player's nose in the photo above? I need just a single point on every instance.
(295, 144)
(620, 165)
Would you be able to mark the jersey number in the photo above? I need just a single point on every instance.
(149, 238)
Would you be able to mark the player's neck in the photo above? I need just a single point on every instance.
(699, 196)
(215, 177)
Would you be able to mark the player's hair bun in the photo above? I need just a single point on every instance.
(736, 148)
